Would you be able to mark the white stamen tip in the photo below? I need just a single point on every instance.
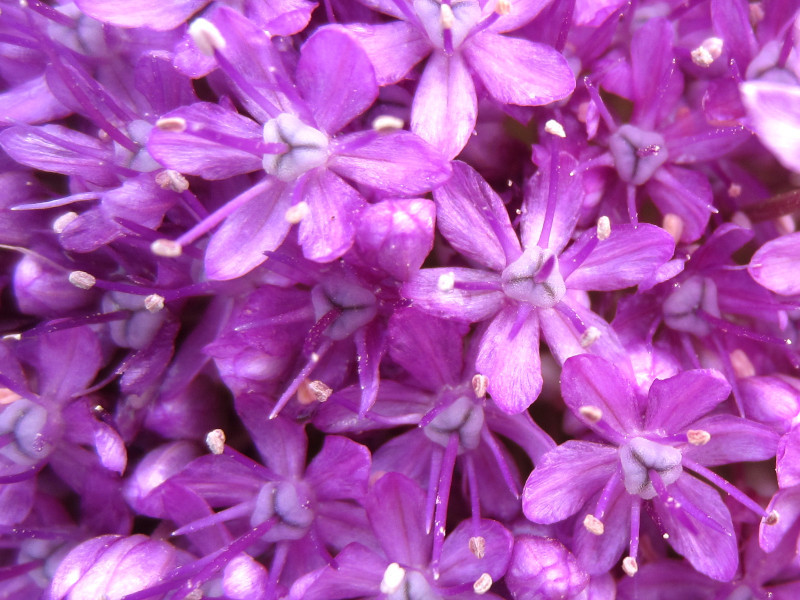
(166, 248)
(215, 440)
(772, 518)
(206, 36)
(447, 17)
(320, 391)
(387, 123)
(60, 224)
(176, 124)
(483, 584)
(698, 437)
(553, 127)
(170, 179)
(480, 383)
(12, 336)
(503, 7)
(590, 336)
(594, 525)
(154, 303)
(707, 52)
(593, 414)
(673, 225)
(392, 578)
(603, 228)
(630, 566)
(82, 280)
(298, 212)
(446, 282)
(477, 545)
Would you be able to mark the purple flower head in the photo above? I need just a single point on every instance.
(649, 446)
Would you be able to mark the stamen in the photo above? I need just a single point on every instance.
(206, 36)
(446, 282)
(60, 224)
(505, 470)
(480, 383)
(553, 127)
(594, 525)
(477, 545)
(503, 7)
(301, 376)
(166, 248)
(82, 280)
(295, 214)
(245, 509)
(630, 566)
(447, 17)
(698, 437)
(593, 414)
(174, 124)
(590, 336)
(741, 364)
(215, 440)
(603, 228)
(387, 123)
(154, 303)
(482, 584)
(734, 190)
(636, 516)
(673, 225)
(313, 391)
(772, 518)
(169, 179)
(393, 578)
(442, 500)
(707, 52)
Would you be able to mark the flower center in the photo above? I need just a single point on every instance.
(350, 306)
(639, 456)
(534, 278)
(307, 147)
(444, 19)
(464, 417)
(682, 305)
(290, 502)
(21, 424)
(637, 153)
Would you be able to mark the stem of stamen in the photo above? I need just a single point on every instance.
(474, 496)
(442, 500)
(234, 512)
(727, 487)
(608, 494)
(601, 106)
(636, 516)
(433, 478)
(477, 286)
(552, 198)
(302, 375)
(505, 470)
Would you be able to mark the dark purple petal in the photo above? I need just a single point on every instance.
(676, 402)
(787, 503)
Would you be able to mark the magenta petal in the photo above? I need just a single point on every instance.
(517, 71)
(68, 362)
(336, 78)
(772, 108)
(712, 552)
(328, 230)
(425, 290)
(676, 402)
(628, 256)
(733, 440)
(459, 564)
(685, 193)
(340, 471)
(774, 265)
(397, 162)
(565, 479)
(599, 553)
(523, 12)
(31, 102)
(445, 106)
(258, 226)
(281, 443)
(394, 48)
(473, 218)
(509, 357)
(161, 16)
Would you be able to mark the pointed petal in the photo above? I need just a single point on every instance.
(733, 440)
(685, 193)
(629, 255)
(68, 362)
(774, 265)
(599, 553)
(31, 102)
(397, 162)
(336, 78)
(465, 305)
(473, 218)
(787, 504)
(445, 106)
(565, 479)
(518, 71)
(357, 573)
(522, 13)
(340, 471)
(676, 402)
(258, 226)
(394, 48)
(652, 65)
(161, 16)
(281, 443)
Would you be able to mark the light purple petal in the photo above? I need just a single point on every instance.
(425, 290)
(340, 470)
(397, 162)
(473, 218)
(336, 78)
(258, 226)
(788, 459)
(31, 102)
(459, 565)
(652, 65)
(281, 17)
(733, 440)
(445, 106)
(787, 504)
(676, 402)
(774, 265)
(328, 230)
(629, 255)
(772, 108)
(161, 16)
(518, 71)
(599, 553)
(394, 48)
(509, 357)
(565, 479)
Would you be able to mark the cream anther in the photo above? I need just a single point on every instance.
(166, 248)
(483, 584)
(603, 228)
(60, 224)
(215, 440)
(553, 127)
(320, 391)
(673, 225)
(772, 518)
(175, 124)
(741, 363)
(387, 123)
(82, 280)
(7, 397)
(477, 545)
(698, 437)
(447, 16)
(170, 179)
(630, 566)
(298, 212)
(593, 414)
(392, 578)
(154, 303)
(590, 336)
(206, 36)
(446, 282)
(480, 383)
(503, 7)
(594, 525)
(707, 52)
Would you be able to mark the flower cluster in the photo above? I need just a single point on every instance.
(399, 299)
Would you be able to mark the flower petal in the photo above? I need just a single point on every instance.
(425, 290)
(774, 265)
(772, 108)
(733, 440)
(394, 48)
(161, 16)
(340, 471)
(676, 402)
(459, 565)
